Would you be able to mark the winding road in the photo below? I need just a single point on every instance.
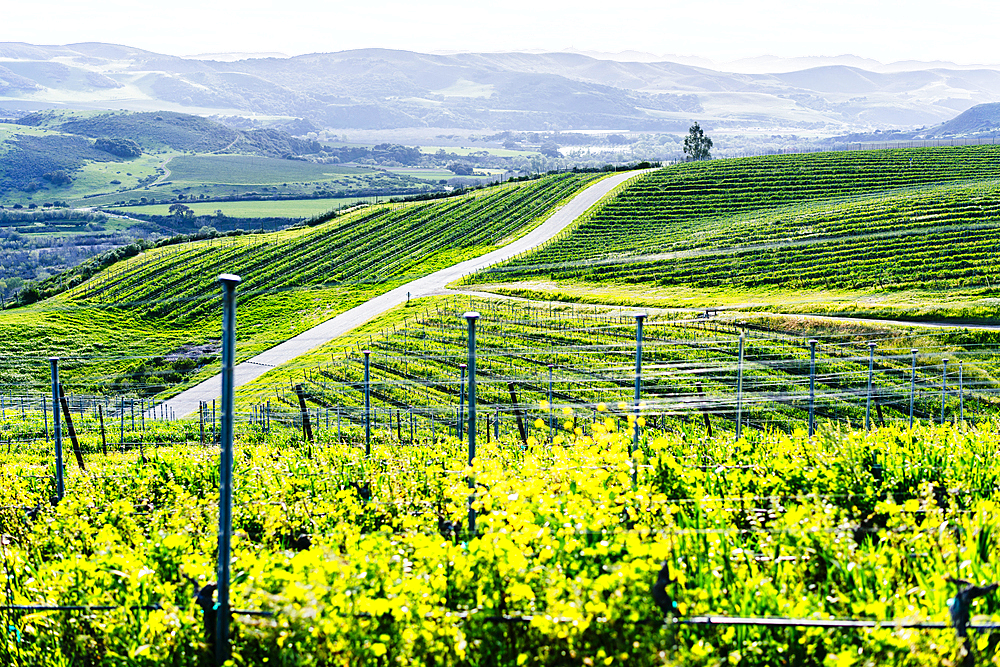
(187, 402)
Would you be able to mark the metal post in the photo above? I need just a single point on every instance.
(471, 318)
(222, 649)
(868, 402)
(961, 395)
(461, 403)
(913, 380)
(812, 387)
(551, 429)
(739, 390)
(57, 427)
(944, 386)
(639, 317)
(368, 418)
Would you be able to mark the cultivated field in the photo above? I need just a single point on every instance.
(668, 486)
(293, 280)
(910, 220)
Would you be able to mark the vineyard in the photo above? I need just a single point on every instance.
(470, 481)
(842, 541)
(889, 220)
(532, 355)
(295, 279)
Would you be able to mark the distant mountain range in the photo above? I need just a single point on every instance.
(377, 89)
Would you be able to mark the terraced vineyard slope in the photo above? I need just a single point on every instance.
(864, 220)
(292, 280)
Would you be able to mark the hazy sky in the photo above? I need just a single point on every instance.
(722, 30)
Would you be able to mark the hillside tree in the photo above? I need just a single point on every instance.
(696, 145)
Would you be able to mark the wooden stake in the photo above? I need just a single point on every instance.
(69, 427)
(704, 411)
(104, 439)
(306, 426)
(517, 413)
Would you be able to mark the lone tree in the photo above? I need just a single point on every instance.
(696, 145)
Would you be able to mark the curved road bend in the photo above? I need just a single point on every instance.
(186, 402)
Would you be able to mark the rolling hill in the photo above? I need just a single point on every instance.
(863, 222)
(159, 307)
(103, 157)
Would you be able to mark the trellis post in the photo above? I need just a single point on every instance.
(222, 648)
(812, 387)
(471, 318)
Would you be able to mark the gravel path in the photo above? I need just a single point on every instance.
(187, 401)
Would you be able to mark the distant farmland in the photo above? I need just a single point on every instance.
(294, 208)
(252, 170)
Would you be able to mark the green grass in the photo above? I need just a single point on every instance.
(861, 222)
(427, 174)
(956, 305)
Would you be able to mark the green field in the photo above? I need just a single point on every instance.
(253, 170)
(293, 208)
(428, 174)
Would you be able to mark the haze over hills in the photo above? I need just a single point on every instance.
(378, 89)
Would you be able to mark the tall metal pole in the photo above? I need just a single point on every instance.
(368, 417)
(961, 395)
(739, 390)
(57, 427)
(944, 386)
(229, 282)
(913, 380)
(551, 428)
(461, 402)
(812, 387)
(471, 318)
(639, 317)
(868, 402)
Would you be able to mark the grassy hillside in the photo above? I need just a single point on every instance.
(100, 158)
(873, 221)
(139, 325)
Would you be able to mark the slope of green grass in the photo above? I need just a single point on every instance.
(870, 220)
(169, 296)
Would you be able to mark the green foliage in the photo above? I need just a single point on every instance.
(125, 148)
(696, 145)
(30, 158)
(845, 525)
